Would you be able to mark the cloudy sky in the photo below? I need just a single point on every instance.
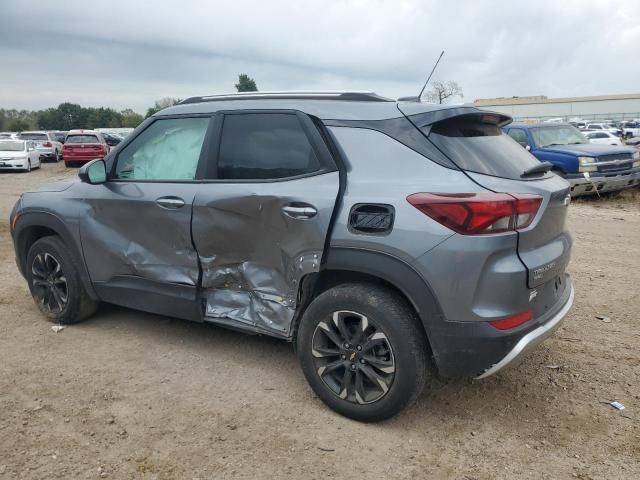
(129, 53)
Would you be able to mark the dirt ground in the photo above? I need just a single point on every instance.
(133, 395)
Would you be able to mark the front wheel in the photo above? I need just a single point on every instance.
(363, 351)
(55, 284)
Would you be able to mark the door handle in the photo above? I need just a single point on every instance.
(170, 203)
(303, 212)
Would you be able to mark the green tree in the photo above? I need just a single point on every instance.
(17, 125)
(162, 104)
(246, 83)
(130, 119)
(70, 116)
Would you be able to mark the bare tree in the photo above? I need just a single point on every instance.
(440, 92)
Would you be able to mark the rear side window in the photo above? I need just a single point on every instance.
(82, 139)
(481, 147)
(168, 149)
(261, 146)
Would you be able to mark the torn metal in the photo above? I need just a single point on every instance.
(252, 255)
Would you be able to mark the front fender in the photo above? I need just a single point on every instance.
(36, 223)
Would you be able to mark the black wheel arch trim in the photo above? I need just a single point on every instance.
(40, 219)
(402, 276)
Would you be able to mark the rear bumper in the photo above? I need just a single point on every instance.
(68, 159)
(602, 183)
(476, 349)
(531, 339)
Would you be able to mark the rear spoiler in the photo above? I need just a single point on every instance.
(428, 118)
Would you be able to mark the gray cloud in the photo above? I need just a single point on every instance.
(124, 53)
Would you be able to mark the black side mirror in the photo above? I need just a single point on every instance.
(94, 172)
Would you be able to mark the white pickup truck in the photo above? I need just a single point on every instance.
(631, 129)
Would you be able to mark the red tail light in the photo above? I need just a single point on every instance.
(47, 144)
(513, 321)
(479, 213)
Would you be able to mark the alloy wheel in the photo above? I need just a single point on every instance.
(353, 357)
(49, 282)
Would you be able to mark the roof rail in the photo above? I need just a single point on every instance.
(349, 96)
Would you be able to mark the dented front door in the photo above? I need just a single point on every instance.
(256, 241)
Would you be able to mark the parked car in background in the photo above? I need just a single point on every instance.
(112, 139)
(45, 143)
(607, 127)
(82, 146)
(630, 129)
(18, 155)
(59, 135)
(589, 168)
(579, 124)
(603, 138)
(8, 135)
(283, 229)
(634, 142)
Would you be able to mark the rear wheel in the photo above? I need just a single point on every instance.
(55, 282)
(363, 351)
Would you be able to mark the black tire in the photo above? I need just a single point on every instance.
(381, 310)
(72, 299)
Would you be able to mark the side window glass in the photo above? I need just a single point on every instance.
(519, 136)
(168, 149)
(259, 146)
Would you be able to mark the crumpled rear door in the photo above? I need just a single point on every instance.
(255, 242)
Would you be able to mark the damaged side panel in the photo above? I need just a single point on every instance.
(125, 232)
(253, 253)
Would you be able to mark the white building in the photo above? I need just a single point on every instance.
(616, 107)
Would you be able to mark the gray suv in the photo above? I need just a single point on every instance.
(390, 241)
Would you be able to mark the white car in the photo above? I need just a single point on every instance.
(607, 127)
(46, 144)
(602, 137)
(8, 135)
(18, 155)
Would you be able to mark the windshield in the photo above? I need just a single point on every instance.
(82, 139)
(13, 146)
(33, 136)
(562, 135)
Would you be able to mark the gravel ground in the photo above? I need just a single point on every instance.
(133, 395)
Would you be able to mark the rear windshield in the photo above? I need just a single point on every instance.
(82, 139)
(34, 136)
(481, 148)
(11, 146)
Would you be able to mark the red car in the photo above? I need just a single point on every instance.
(81, 146)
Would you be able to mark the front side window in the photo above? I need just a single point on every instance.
(168, 149)
(259, 146)
(519, 136)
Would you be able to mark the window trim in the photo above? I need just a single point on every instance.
(320, 148)
(204, 152)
